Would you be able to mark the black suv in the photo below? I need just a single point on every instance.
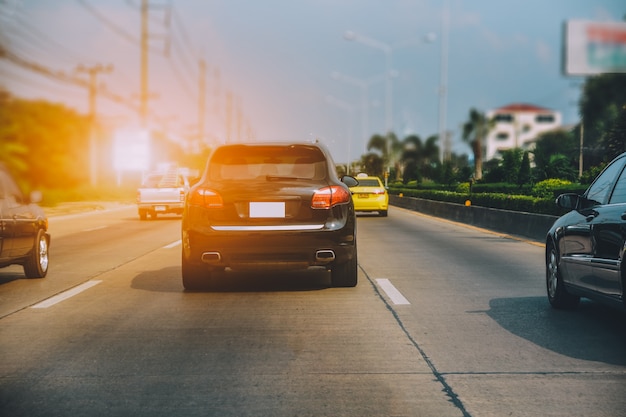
(269, 206)
(24, 239)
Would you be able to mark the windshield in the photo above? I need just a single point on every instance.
(250, 162)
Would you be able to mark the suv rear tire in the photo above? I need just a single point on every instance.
(345, 274)
(195, 277)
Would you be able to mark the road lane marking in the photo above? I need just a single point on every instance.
(392, 292)
(65, 295)
(95, 228)
(173, 244)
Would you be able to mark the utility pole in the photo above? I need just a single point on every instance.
(201, 100)
(239, 118)
(143, 94)
(93, 91)
(229, 116)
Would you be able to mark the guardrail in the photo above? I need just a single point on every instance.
(527, 225)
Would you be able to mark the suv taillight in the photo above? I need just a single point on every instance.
(327, 197)
(206, 198)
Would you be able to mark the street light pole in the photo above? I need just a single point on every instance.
(343, 105)
(388, 50)
(364, 86)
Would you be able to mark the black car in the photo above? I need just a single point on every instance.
(269, 206)
(24, 239)
(585, 247)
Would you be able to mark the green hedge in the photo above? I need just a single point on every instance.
(537, 198)
(502, 201)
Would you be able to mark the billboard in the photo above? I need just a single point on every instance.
(594, 47)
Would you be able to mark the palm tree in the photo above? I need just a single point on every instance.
(390, 150)
(475, 131)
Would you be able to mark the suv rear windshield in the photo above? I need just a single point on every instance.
(241, 162)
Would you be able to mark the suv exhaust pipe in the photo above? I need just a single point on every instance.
(211, 257)
(325, 255)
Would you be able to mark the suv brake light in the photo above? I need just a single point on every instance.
(206, 198)
(327, 197)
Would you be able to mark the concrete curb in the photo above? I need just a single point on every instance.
(528, 225)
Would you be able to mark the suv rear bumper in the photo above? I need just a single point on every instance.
(275, 251)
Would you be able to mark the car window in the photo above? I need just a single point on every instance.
(619, 193)
(368, 183)
(601, 187)
(258, 162)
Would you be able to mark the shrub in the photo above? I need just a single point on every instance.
(463, 188)
(546, 188)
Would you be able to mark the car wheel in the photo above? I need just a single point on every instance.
(345, 274)
(382, 213)
(557, 293)
(143, 214)
(36, 265)
(153, 215)
(195, 277)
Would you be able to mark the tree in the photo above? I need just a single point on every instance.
(560, 167)
(615, 139)
(419, 159)
(390, 149)
(372, 164)
(475, 130)
(511, 164)
(601, 102)
(551, 143)
(46, 144)
(524, 176)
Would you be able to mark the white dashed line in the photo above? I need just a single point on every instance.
(65, 295)
(173, 244)
(95, 228)
(392, 292)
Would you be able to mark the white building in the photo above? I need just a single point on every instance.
(517, 126)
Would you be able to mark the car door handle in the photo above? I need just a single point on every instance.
(592, 215)
(624, 216)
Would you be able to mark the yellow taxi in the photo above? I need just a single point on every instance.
(370, 195)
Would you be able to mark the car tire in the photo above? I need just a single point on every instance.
(382, 213)
(195, 277)
(345, 274)
(153, 214)
(143, 214)
(36, 265)
(557, 293)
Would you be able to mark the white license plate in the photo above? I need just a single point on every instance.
(160, 208)
(275, 210)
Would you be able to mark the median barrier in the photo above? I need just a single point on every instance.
(527, 225)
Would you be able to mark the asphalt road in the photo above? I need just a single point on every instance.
(446, 321)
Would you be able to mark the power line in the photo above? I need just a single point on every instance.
(60, 76)
(109, 24)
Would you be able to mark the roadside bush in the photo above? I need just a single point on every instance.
(463, 188)
(501, 187)
(525, 203)
(547, 187)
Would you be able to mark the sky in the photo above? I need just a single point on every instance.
(285, 69)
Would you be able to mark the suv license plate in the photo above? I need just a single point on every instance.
(275, 210)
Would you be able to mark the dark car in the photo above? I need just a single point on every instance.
(585, 247)
(269, 206)
(24, 239)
